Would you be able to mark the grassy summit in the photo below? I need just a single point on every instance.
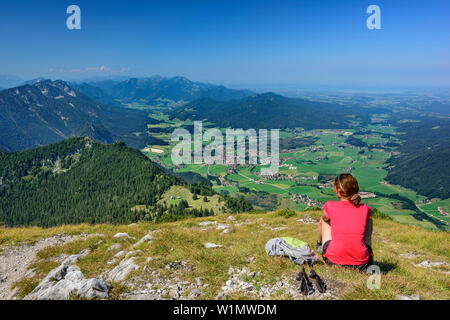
(177, 256)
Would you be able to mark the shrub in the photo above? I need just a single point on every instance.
(381, 215)
(285, 213)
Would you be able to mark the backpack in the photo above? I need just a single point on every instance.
(300, 253)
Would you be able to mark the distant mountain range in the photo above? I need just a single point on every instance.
(269, 110)
(158, 90)
(50, 111)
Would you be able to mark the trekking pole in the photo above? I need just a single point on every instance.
(319, 282)
(303, 284)
(310, 287)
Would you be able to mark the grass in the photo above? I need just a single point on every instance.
(184, 241)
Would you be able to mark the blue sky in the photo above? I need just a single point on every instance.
(240, 43)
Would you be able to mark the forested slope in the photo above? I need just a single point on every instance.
(78, 180)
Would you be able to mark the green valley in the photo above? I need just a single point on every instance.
(309, 161)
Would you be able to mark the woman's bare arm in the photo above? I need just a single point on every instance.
(325, 217)
(369, 230)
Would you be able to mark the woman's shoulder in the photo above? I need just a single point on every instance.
(330, 204)
(365, 207)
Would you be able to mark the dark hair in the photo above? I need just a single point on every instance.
(348, 186)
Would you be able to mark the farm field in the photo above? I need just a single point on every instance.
(433, 209)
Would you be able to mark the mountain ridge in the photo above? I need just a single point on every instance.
(271, 111)
(155, 89)
(50, 111)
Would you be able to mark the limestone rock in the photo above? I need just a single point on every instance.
(195, 293)
(207, 223)
(147, 238)
(64, 282)
(212, 245)
(114, 247)
(121, 271)
(122, 235)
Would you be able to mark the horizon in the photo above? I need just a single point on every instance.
(283, 89)
(293, 45)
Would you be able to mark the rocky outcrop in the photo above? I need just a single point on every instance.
(122, 235)
(67, 281)
(121, 271)
(146, 239)
(15, 262)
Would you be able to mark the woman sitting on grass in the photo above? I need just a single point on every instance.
(345, 229)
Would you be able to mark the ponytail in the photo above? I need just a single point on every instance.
(355, 199)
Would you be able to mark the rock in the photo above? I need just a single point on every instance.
(428, 264)
(212, 245)
(220, 296)
(195, 293)
(252, 274)
(174, 292)
(408, 255)
(75, 257)
(132, 225)
(227, 230)
(121, 271)
(199, 281)
(250, 287)
(307, 220)
(115, 246)
(122, 235)
(94, 289)
(133, 253)
(64, 282)
(146, 239)
(179, 265)
(112, 261)
(223, 226)
(119, 254)
(30, 273)
(412, 297)
(207, 223)
(231, 218)
(141, 296)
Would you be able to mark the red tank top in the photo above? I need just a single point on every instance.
(348, 229)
